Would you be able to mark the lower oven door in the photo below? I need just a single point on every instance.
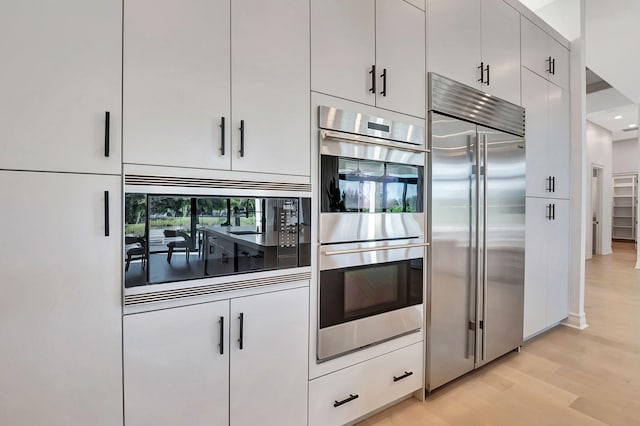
(369, 293)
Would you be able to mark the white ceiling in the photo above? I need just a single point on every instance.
(605, 118)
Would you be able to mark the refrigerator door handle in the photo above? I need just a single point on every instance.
(472, 332)
(485, 275)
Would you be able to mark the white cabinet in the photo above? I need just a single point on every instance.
(543, 55)
(194, 70)
(547, 115)
(176, 364)
(546, 264)
(176, 372)
(484, 34)
(60, 75)
(341, 397)
(60, 309)
(370, 51)
(270, 90)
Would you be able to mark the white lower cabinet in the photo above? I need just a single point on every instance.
(341, 397)
(203, 365)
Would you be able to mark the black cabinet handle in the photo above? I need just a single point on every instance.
(404, 376)
(549, 69)
(549, 184)
(106, 213)
(373, 79)
(241, 338)
(384, 82)
(481, 68)
(344, 401)
(221, 335)
(222, 136)
(553, 184)
(241, 138)
(107, 129)
(488, 76)
(553, 66)
(548, 211)
(553, 211)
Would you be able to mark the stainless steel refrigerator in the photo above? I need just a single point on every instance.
(477, 219)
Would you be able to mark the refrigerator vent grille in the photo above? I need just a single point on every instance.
(190, 182)
(165, 295)
(449, 97)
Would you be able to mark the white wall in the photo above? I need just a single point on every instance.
(599, 153)
(625, 156)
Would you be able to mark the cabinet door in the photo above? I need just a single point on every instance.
(558, 263)
(559, 154)
(535, 48)
(400, 55)
(501, 49)
(535, 100)
(269, 374)
(270, 86)
(60, 310)
(535, 265)
(560, 74)
(343, 48)
(176, 82)
(453, 28)
(174, 371)
(60, 74)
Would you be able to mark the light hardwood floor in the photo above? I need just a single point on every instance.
(563, 377)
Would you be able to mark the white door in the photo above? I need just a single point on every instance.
(60, 75)
(501, 49)
(176, 88)
(269, 372)
(270, 86)
(560, 54)
(60, 310)
(343, 48)
(400, 57)
(559, 154)
(535, 266)
(535, 48)
(175, 370)
(453, 28)
(558, 262)
(535, 93)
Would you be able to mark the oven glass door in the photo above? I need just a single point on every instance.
(352, 293)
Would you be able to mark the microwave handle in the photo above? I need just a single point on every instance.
(363, 250)
(367, 140)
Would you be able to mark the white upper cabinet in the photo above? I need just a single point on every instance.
(176, 83)
(476, 42)
(543, 55)
(400, 57)
(370, 51)
(270, 86)
(60, 75)
(501, 50)
(453, 28)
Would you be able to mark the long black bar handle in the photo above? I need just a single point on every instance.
(384, 82)
(241, 338)
(106, 213)
(373, 79)
(553, 184)
(107, 129)
(222, 128)
(549, 68)
(221, 335)
(481, 68)
(404, 376)
(553, 66)
(241, 138)
(548, 211)
(344, 401)
(553, 211)
(488, 76)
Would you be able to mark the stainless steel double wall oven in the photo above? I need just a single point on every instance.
(371, 231)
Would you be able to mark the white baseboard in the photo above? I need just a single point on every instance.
(578, 321)
(607, 251)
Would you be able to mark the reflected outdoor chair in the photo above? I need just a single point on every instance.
(186, 243)
(137, 252)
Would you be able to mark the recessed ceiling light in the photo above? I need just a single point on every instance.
(632, 125)
(617, 117)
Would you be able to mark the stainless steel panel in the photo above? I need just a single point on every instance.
(362, 124)
(452, 291)
(342, 338)
(337, 145)
(504, 206)
(355, 254)
(350, 227)
(458, 100)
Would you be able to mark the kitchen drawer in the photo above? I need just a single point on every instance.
(371, 381)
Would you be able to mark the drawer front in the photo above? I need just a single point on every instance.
(371, 381)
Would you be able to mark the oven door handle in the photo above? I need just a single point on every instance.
(367, 140)
(362, 250)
